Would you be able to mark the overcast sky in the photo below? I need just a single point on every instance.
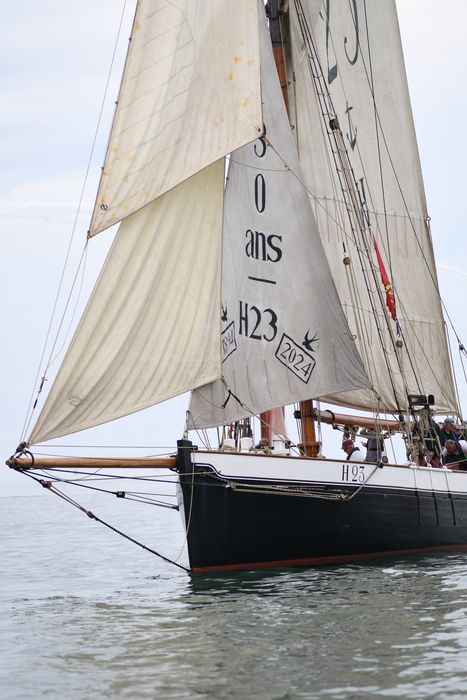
(54, 61)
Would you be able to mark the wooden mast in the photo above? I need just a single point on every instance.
(277, 9)
(273, 421)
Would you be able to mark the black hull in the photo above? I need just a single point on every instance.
(229, 528)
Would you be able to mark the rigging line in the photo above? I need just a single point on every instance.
(190, 511)
(32, 406)
(152, 493)
(106, 478)
(49, 471)
(344, 171)
(410, 322)
(360, 253)
(202, 438)
(337, 145)
(115, 447)
(461, 357)
(148, 501)
(388, 251)
(380, 163)
(140, 497)
(119, 93)
(303, 492)
(362, 328)
(434, 281)
(340, 225)
(456, 388)
(73, 231)
(314, 197)
(91, 515)
(368, 288)
(104, 458)
(73, 314)
(256, 167)
(46, 472)
(338, 203)
(75, 482)
(360, 159)
(250, 412)
(84, 486)
(415, 338)
(85, 477)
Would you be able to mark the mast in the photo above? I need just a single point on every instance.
(273, 421)
(277, 10)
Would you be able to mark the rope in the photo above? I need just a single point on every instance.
(250, 412)
(347, 181)
(49, 486)
(310, 492)
(30, 410)
(307, 36)
(422, 253)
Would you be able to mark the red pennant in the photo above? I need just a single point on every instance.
(390, 300)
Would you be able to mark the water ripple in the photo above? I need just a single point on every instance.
(88, 616)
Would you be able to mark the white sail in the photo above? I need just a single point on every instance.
(284, 335)
(179, 108)
(151, 328)
(360, 53)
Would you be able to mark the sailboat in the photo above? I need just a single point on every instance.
(274, 248)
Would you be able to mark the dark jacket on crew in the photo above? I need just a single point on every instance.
(456, 457)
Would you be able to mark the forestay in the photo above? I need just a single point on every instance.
(360, 53)
(189, 95)
(284, 335)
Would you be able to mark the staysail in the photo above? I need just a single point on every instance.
(178, 109)
(179, 113)
(150, 330)
(360, 55)
(284, 335)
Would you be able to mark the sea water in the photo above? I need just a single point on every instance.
(86, 614)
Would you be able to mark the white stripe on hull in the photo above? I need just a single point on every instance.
(302, 470)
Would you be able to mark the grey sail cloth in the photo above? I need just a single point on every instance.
(380, 138)
(284, 335)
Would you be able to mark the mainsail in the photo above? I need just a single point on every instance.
(284, 335)
(360, 54)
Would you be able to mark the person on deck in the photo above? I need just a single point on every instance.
(447, 432)
(453, 457)
(375, 445)
(353, 453)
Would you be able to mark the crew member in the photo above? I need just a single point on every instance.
(453, 456)
(353, 453)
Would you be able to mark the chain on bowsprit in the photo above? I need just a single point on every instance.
(49, 479)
